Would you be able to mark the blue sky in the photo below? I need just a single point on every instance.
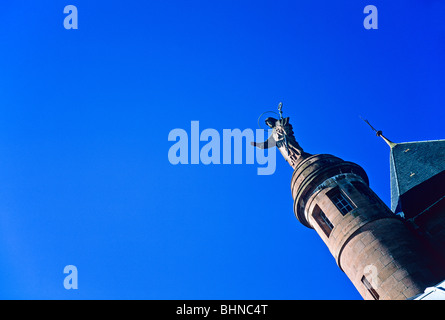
(84, 171)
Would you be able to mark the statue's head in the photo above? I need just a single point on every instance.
(271, 122)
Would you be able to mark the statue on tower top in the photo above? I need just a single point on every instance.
(283, 138)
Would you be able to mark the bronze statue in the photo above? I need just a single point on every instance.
(283, 138)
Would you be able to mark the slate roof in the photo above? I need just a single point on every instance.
(413, 163)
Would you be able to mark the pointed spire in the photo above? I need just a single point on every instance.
(389, 142)
(379, 133)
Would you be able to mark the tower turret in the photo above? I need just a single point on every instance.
(376, 248)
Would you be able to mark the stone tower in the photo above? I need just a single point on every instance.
(384, 255)
(374, 247)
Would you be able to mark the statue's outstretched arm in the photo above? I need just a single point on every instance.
(269, 143)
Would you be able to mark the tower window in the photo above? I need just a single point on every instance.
(326, 220)
(341, 202)
(370, 289)
(323, 221)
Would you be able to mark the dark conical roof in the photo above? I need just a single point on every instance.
(414, 165)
